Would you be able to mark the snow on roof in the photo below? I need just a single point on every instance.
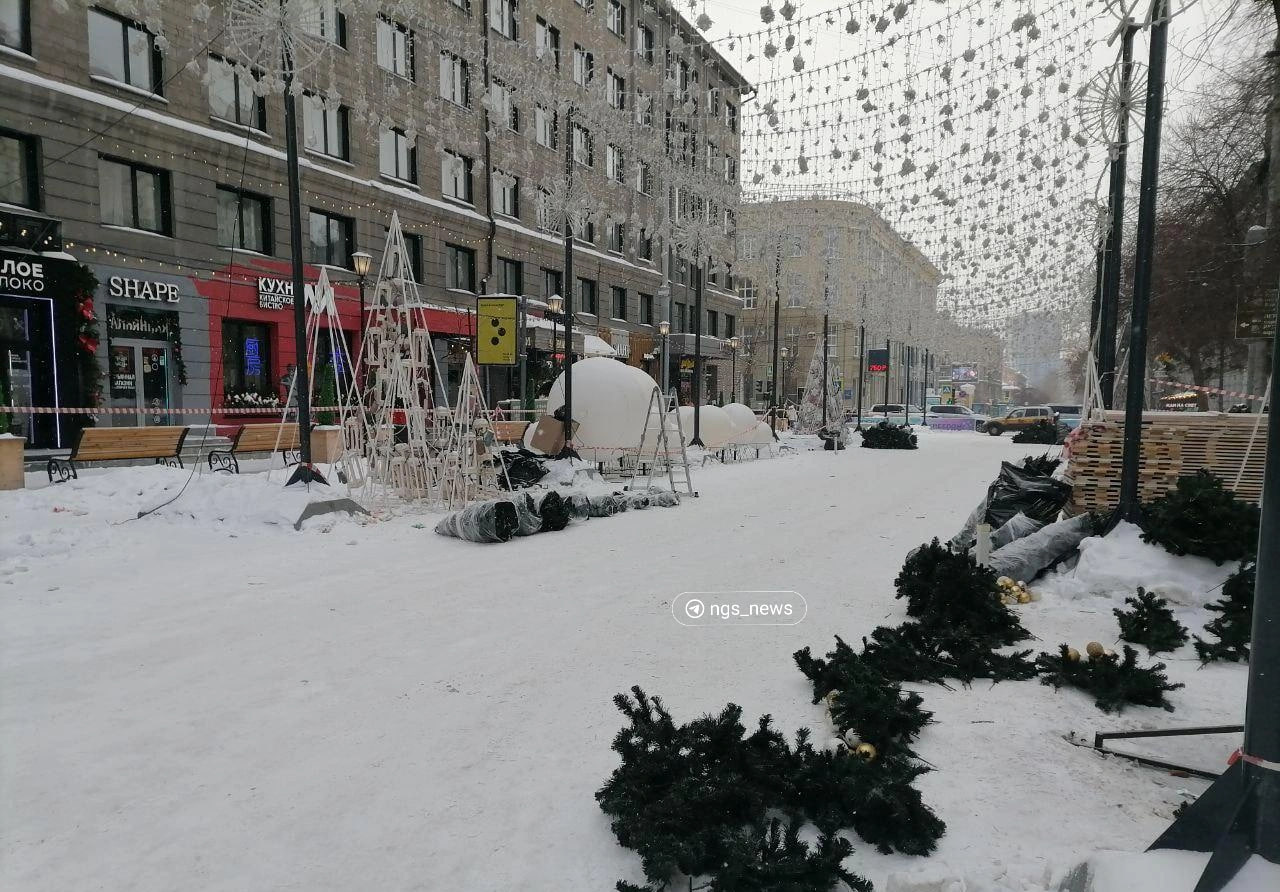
(596, 346)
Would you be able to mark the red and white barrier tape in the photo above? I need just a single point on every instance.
(65, 410)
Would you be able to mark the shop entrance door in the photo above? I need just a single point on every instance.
(27, 375)
(141, 378)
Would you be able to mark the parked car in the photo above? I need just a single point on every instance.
(953, 411)
(1020, 418)
(1068, 414)
(894, 412)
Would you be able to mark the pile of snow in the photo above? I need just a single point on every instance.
(1114, 565)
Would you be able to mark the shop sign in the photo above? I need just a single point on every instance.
(686, 365)
(277, 294)
(18, 276)
(124, 380)
(139, 324)
(142, 289)
(496, 331)
(878, 360)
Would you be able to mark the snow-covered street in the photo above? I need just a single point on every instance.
(202, 705)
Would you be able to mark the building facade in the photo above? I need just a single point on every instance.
(158, 159)
(841, 260)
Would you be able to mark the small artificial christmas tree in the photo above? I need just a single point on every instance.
(1041, 465)
(1045, 432)
(1234, 627)
(888, 436)
(948, 592)
(1150, 623)
(774, 858)
(930, 653)
(1114, 683)
(1202, 517)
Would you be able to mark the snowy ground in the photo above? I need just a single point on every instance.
(189, 702)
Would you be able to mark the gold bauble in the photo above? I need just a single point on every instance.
(1024, 597)
(1073, 655)
(865, 751)
(1094, 649)
(1004, 580)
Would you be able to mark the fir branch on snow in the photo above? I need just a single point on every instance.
(1200, 516)
(1114, 682)
(1234, 627)
(1150, 623)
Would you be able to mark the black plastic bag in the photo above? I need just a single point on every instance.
(554, 513)
(524, 468)
(1019, 490)
(482, 522)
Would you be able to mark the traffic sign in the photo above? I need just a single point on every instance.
(496, 330)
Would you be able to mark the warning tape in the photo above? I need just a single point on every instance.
(80, 410)
(1203, 389)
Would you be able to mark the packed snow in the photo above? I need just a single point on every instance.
(205, 698)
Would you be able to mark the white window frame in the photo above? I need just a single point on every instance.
(452, 183)
(615, 164)
(583, 66)
(615, 18)
(455, 79)
(545, 130)
(617, 90)
(502, 17)
(404, 154)
(506, 195)
(395, 47)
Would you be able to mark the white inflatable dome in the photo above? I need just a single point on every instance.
(760, 435)
(714, 425)
(610, 401)
(741, 417)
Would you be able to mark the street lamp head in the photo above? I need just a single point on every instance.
(734, 343)
(1256, 235)
(555, 303)
(362, 261)
(782, 351)
(664, 328)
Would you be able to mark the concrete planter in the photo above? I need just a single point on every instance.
(11, 472)
(326, 443)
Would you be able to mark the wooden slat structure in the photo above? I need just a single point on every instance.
(161, 442)
(258, 438)
(1174, 444)
(510, 431)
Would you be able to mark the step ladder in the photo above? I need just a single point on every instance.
(655, 447)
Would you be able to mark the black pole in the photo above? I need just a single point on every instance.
(1110, 307)
(1129, 508)
(733, 353)
(568, 286)
(305, 472)
(697, 354)
(826, 321)
(360, 283)
(906, 385)
(862, 367)
(777, 316)
(1095, 311)
(888, 352)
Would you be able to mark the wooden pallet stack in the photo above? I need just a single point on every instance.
(1174, 444)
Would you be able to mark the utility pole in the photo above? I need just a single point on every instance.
(826, 323)
(862, 366)
(777, 317)
(888, 351)
(697, 349)
(568, 285)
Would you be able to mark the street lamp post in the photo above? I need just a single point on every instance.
(554, 304)
(362, 262)
(664, 330)
(734, 344)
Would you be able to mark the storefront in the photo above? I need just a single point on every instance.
(48, 342)
(157, 355)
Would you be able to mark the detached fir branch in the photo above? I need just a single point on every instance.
(1114, 682)
(1234, 627)
(1150, 623)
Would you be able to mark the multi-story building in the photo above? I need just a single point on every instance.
(841, 260)
(970, 365)
(1033, 348)
(150, 152)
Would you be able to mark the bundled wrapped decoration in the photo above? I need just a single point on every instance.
(554, 513)
(527, 513)
(888, 436)
(524, 468)
(495, 521)
(579, 505)
(1029, 556)
(606, 505)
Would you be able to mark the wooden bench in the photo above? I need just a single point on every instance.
(282, 438)
(510, 431)
(160, 442)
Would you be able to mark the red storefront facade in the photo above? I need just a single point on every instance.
(251, 332)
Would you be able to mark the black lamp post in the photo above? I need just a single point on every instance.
(554, 304)
(734, 344)
(664, 330)
(361, 262)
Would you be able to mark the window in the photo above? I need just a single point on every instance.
(644, 43)
(587, 296)
(680, 322)
(244, 220)
(547, 40)
(747, 291)
(584, 66)
(397, 156)
(19, 170)
(731, 116)
(547, 221)
(332, 239)
(231, 94)
(464, 5)
(510, 276)
(124, 51)
(552, 281)
(454, 80)
(615, 18)
(644, 178)
(583, 150)
(713, 323)
(730, 170)
(502, 17)
(617, 90)
(615, 166)
(506, 194)
(15, 25)
(646, 309)
(711, 155)
(459, 268)
(730, 325)
(322, 18)
(644, 108)
(455, 176)
(504, 109)
(588, 5)
(413, 247)
(395, 47)
(587, 231)
(246, 358)
(644, 246)
(619, 303)
(325, 129)
(546, 125)
(133, 195)
(617, 237)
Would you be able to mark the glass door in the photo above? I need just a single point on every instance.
(141, 379)
(16, 367)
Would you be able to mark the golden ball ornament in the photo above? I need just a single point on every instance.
(865, 751)
(1004, 581)
(1073, 655)
(1094, 649)
(1024, 598)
